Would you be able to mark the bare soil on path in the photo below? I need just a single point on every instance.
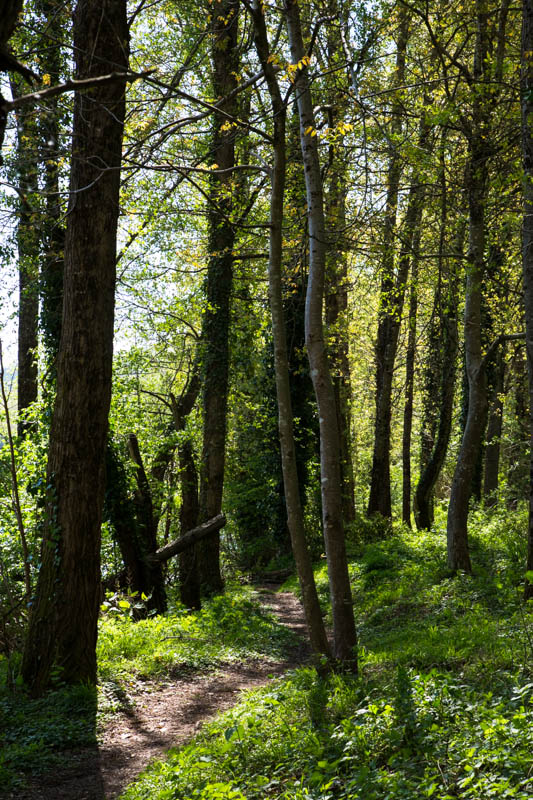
(161, 715)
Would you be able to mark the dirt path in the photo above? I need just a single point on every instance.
(160, 716)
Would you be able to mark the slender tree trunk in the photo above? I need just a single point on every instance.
(62, 633)
(485, 82)
(216, 323)
(457, 535)
(527, 240)
(153, 582)
(344, 633)
(190, 594)
(53, 228)
(390, 305)
(494, 433)
(28, 246)
(410, 382)
(304, 567)
(336, 319)
(443, 355)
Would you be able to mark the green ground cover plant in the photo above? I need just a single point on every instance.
(443, 707)
(35, 733)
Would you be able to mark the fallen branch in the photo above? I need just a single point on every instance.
(188, 539)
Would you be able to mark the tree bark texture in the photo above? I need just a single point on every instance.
(304, 567)
(216, 322)
(61, 641)
(527, 239)
(344, 633)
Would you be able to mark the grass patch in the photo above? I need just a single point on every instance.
(443, 707)
(35, 733)
(231, 627)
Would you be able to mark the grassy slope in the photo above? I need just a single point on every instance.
(443, 707)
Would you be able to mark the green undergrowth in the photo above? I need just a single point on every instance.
(443, 706)
(231, 627)
(312, 738)
(34, 734)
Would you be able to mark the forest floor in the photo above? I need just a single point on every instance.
(158, 715)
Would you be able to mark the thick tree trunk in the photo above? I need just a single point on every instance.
(344, 633)
(304, 567)
(527, 240)
(61, 642)
(216, 323)
(390, 310)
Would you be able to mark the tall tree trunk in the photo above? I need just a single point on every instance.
(190, 594)
(494, 433)
(390, 305)
(457, 536)
(28, 245)
(151, 577)
(527, 241)
(344, 633)
(442, 357)
(304, 567)
(62, 633)
(53, 229)
(484, 85)
(216, 323)
(410, 381)
(336, 319)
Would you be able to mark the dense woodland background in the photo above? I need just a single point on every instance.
(275, 293)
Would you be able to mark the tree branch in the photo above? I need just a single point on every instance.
(187, 540)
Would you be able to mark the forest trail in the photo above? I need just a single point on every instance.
(164, 714)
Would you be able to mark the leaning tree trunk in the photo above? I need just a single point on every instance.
(215, 332)
(485, 84)
(527, 241)
(304, 567)
(61, 640)
(444, 353)
(344, 633)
